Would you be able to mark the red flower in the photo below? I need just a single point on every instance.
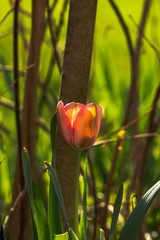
(79, 124)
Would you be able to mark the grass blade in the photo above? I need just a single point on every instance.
(102, 235)
(117, 207)
(54, 216)
(40, 214)
(56, 184)
(63, 236)
(132, 226)
(28, 181)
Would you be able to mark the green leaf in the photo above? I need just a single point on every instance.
(72, 234)
(54, 216)
(117, 207)
(102, 235)
(132, 226)
(63, 236)
(28, 181)
(40, 214)
(56, 185)
(83, 220)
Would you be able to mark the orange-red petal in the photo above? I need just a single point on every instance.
(86, 126)
(64, 123)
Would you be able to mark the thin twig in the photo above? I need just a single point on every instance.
(146, 39)
(10, 86)
(4, 68)
(11, 105)
(136, 136)
(54, 5)
(52, 59)
(10, 69)
(6, 15)
(16, 76)
(5, 130)
(130, 123)
(61, 19)
(53, 40)
(124, 27)
(25, 12)
(141, 27)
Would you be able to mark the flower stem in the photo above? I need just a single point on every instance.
(76, 190)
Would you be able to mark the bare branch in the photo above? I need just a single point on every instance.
(16, 76)
(124, 27)
(130, 123)
(146, 39)
(6, 15)
(53, 39)
(141, 27)
(11, 105)
(136, 136)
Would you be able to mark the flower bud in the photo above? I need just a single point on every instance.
(79, 124)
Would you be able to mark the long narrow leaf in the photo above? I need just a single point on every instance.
(72, 234)
(54, 216)
(40, 214)
(63, 236)
(102, 235)
(28, 181)
(117, 207)
(56, 184)
(132, 226)
(83, 220)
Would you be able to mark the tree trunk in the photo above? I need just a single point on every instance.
(74, 85)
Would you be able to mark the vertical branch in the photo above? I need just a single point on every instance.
(141, 27)
(134, 93)
(124, 27)
(53, 38)
(16, 76)
(48, 77)
(29, 108)
(133, 97)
